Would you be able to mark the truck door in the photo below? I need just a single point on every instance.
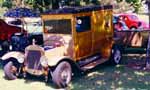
(108, 33)
(83, 37)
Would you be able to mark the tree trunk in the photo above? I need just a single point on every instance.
(55, 4)
(148, 52)
(20, 3)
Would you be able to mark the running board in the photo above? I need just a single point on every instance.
(88, 60)
(93, 64)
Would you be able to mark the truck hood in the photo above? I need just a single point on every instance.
(56, 47)
(55, 52)
(55, 55)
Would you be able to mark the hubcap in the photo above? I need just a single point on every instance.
(13, 69)
(117, 56)
(65, 76)
(133, 28)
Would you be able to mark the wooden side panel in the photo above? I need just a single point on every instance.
(84, 44)
(108, 43)
(102, 32)
(82, 39)
(98, 31)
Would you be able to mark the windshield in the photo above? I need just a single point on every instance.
(62, 26)
(34, 27)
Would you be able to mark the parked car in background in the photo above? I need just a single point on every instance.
(131, 20)
(119, 25)
(6, 32)
(132, 41)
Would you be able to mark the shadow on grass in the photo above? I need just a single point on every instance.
(31, 79)
(120, 77)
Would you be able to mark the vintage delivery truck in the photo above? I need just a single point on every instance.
(75, 39)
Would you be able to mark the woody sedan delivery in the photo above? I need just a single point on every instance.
(74, 39)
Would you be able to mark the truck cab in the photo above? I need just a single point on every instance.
(83, 34)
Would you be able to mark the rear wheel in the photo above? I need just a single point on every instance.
(62, 74)
(116, 55)
(10, 71)
(133, 28)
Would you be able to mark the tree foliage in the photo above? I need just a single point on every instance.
(7, 4)
(42, 5)
(135, 3)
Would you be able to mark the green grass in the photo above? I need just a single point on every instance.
(103, 77)
(113, 78)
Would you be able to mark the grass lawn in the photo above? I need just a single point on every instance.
(103, 77)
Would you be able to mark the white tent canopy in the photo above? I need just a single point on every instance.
(31, 24)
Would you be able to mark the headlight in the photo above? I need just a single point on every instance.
(44, 61)
(20, 58)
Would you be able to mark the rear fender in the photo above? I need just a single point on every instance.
(20, 57)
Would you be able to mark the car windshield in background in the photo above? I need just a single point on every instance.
(62, 26)
(34, 27)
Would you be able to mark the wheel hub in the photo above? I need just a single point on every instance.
(117, 56)
(65, 76)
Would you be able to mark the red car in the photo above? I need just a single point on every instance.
(131, 20)
(6, 31)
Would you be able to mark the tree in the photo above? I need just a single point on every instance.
(41, 5)
(7, 4)
(18, 2)
(135, 4)
(55, 4)
(148, 45)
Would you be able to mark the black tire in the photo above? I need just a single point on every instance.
(7, 71)
(116, 55)
(62, 74)
(133, 28)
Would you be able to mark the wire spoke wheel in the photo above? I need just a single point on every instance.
(10, 71)
(62, 74)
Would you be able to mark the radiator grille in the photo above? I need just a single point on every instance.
(33, 60)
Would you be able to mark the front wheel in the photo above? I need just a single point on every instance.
(62, 74)
(116, 55)
(10, 71)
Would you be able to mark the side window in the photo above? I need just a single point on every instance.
(83, 24)
(125, 18)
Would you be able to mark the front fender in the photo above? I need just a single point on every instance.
(53, 61)
(14, 54)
